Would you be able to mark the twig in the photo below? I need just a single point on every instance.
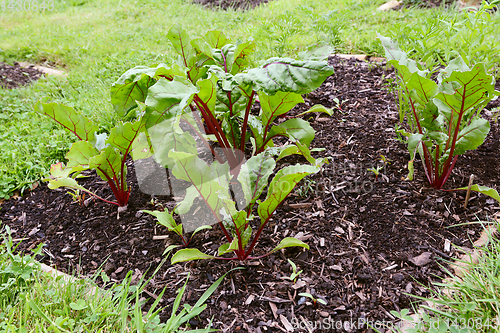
(471, 180)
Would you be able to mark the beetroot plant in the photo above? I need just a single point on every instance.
(205, 102)
(445, 116)
(105, 154)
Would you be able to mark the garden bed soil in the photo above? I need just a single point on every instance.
(372, 241)
(14, 76)
(231, 4)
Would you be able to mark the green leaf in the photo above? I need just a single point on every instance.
(164, 218)
(239, 60)
(189, 254)
(108, 163)
(181, 43)
(318, 52)
(210, 183)
(296, 129)
(484, 190)
(123, 135)
(216, 39)
(290, 242)
(133, 85)
(167, 99)
(281, 185)
(399, 59)
(277, 104)
(254, 175)
(227, 247)
(255, 125)
(207, 91)
(423, 89)
(67, 117)
(80, 154)
(65, 182)
(472, 136)
(317, 108)
(286, 75)
(476, 85)
(79, 305)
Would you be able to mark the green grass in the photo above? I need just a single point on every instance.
(97, 40)
(34, 301)
(467, 304)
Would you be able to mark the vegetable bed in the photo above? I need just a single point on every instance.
(373, 238)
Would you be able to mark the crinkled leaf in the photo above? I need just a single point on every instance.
(277, 104)
(231, 97)
(239, 59)
(100, 141)
(281, 185)
(167, 136)
(422, 88)
(166, 99)
(133, 85)
(255, 125)
(59, 171)
(67, 117)
(475, 89)
(286, 75)
(472, 136)
(290, 242)
(189, 254)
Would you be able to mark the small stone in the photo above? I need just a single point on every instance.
(51, 230)
(398, 278)
(223, 305)
(364, 277)
(138, 214)
(324, 314)
(109, 267)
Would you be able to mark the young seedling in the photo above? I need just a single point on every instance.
(376, 171)
(304, 190)
(313, 299)
(166, 219)
(293, 277)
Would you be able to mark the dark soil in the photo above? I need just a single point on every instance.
(233, 4)
(427, 3)
(14, 76)
(365, 234)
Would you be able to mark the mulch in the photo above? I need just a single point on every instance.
(372, 241)
(15, 76)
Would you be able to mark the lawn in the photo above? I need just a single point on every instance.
(96, 41)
